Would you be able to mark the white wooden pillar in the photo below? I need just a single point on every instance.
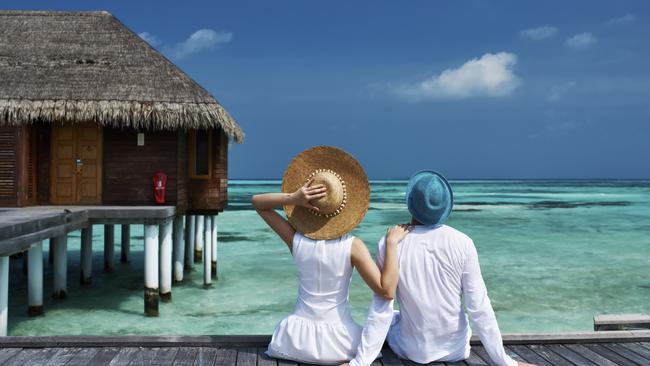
(179, 249)
(214, 247)
(125, 244)
(198, 241)
(151, 269)
(207, 253)
(166, 261)
(4, 294)
(109, 248)
(60, 266)
(35, 280)
(190, 228)
(86, 255)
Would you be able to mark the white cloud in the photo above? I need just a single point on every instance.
(582, 40)
(489, 76)
(557, 92)
(623, 20)
(539, 33)
(200, 40)
(150, 38)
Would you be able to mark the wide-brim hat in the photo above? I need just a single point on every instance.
(348, 192)
(429, 198)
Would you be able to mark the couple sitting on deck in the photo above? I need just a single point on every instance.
(432, 268)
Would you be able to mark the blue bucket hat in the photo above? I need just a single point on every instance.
(429, 198)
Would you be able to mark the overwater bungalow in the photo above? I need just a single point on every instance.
(98, 127)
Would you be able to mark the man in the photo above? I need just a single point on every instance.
(438, 273)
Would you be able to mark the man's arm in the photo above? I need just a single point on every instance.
(380, 315)
(481, 312)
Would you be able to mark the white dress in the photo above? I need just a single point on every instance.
(320, 329)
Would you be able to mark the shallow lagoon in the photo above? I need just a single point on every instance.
(553, 253)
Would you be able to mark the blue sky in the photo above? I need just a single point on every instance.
(474, 89)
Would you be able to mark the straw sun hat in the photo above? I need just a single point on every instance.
(348, 192)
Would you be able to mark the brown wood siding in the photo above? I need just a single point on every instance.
(9, 165)
(128, 168)
(27, 162)
(182, 173)
(211, 195)
(43, 171)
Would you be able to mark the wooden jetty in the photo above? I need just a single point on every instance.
(608, 348)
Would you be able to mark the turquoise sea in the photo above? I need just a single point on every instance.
(553, 253)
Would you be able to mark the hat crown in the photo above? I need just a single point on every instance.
(429, 198)
(335, 197)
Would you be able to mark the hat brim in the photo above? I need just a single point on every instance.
(409, 188)
(358, 198)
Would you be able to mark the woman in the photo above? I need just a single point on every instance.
(327, 196)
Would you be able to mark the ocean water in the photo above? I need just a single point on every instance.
(553, 254)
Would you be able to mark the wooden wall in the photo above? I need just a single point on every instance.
(129, 168)
(9, 165)
(211, 195)
(18, 165)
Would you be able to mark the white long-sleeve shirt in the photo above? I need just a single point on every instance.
(438, 271)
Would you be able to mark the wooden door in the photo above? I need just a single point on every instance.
(76, 164)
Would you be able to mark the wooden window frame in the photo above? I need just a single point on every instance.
(192, 146)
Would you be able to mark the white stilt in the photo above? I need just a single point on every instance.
(125, 244)
(198, 241)
(190, 223)
(35, 280)
(50, 251)
(179, 249)
(60, 266)
(214, 247)
(4, 293)
(109, 248)
(86, 255)
(151, 269)
(207, 253)
(166, 261)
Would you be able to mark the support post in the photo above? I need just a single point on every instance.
(60, 266)
(50, 251)
(35, 280)
(86, 255)
(109, 248)
(190, 227)
(198, 241)
(125, 244)
(166, 261)
(207, 253)
(4, 294)
(151, 269)
(214, 247)
(179, 249)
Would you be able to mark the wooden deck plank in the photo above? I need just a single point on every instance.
(528, 355)
(31, 357)
(247, 357)
(154, 356)
(263, 359)
(632, 356)
(225, 356)
(456, 363)
(549, 355)
(590, 355)
(287, 363)
(124, 356)
(482, 354)
(104, 356)
(610, 355)
(389, 358)
(637, 348)
(206, 356)
(570, 355)
(62, 356)
(474, 360)
(7, 353)
(83, 357)
(185, 356)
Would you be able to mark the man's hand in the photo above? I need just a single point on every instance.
(306, 193)
(396, 233)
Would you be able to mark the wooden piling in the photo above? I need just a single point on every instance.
(109, 248)
(198, 241)
(125, 244)
(151, 269)
(190, 228)
(50, 251)
(166, 261)
(60, 266)
(4, 294)
(207, 253)
(86, 255)
(35, 280)
(179, 249)
(214, 247)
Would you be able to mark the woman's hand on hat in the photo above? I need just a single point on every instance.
(396, 233)
(307, 193)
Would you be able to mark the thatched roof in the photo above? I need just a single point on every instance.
(87, 66)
